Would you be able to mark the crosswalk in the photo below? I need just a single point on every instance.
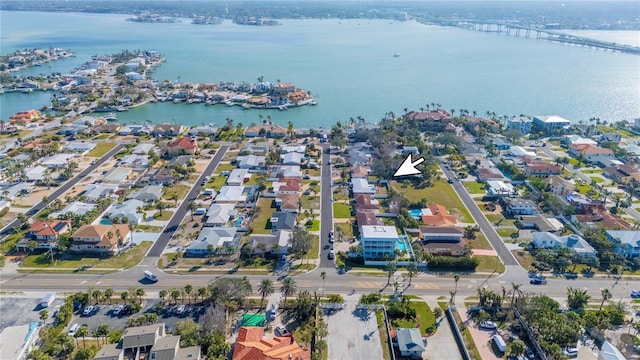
(381, 284)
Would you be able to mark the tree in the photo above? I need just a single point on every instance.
(44, 315)
(201, 292)
(412, 268)
(82, 332)
(516, 348)
(160, 206)
(188, 331)
(192, 208)
(124, 296)
(456, 278)
(515, 290)
(140, 293)
(162, 294)
(96, 295)
(577, 298)
(288, 288)
(108, 293)
(606, 295)
(265, 288)
(188, 289)
(323, 275)
(391, 269)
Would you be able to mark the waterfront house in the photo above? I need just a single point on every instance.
(431, 121)
(58, 161)
(266, 130)
(107, 129)
(251, 162)
(590, 153)
(127, 209)
(214, 240)
(79, 147)
(101, 239)
(500, 188)
(410, 342)
(282, 220)
(626, 242)
(376, 241)
(219, 215)
(437, 215)
(551, 124)
(276, 243)
(45, 234)
(231, 194)
(501, 144)
(238, 177)
(24, 118)
(182, 146)
(76, 208)
(133, 76)
(97, 191)
(252, 344)
(362, 186)
(148, 194)
(518, 206)
(168, 130)
(284, 88)
(584, 204)
(559, 186)
(365, 218)
(287, 202)
(578, 245)
(89, 121)
(202, 130)
(615, 138)
(522, 123)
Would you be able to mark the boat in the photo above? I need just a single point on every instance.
(396, 55)
(111, 117)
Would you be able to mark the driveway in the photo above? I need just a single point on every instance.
(353, 334)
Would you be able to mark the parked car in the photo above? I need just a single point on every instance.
(117, 310)
(488, 325)
(88, 310)
(306, 192)
(280, 330)
(635, 293)
(571, 352)
(331, 255)
(306, 177)
(538, 281)
(180, 309)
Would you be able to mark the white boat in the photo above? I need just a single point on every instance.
(111, 117)
(396, 55)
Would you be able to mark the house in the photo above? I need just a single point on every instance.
(79, 147)
(364, 202)
(622, 174)
(292, 158)
(17, 190)
(376, 241)
(148, 194)
(573, 139)
(89, 121)
(364, 218)
(181, 160)
(107, 129)
(626, 242)
(267, 130)
(76, 207)
(45, 233)
(551, 124)
(615, 138)
(278, 242)
(437, 215)
(36, 173)
(559, 186)
(444, 248)
(362, 186)
(433, 121)
(519, 151)
(590, 153)
(128, 209)
(584, 204)
(202, 130)
(168, 130)
(257, 148)
(360, 172)
(231, 194)
(101, 239)
(489, 173)
(251, 162)
(413, 150)
(219, 214)
(287, 202)
(182, 146)
(410, 342)
(283, 88)
(541, 169)
(95, 192)
(213, 240)
(603, 220)
(547, 240)
(281, 171)
(238, 177)
(58, 161)
(117, 175)
(440, 234)
(162, 176)
(517, 206)
(143, 149)
(287, 186)
(540, 223)
(500, 188)
(251, 344)
(135, 162)
(298, 148)
(110, 352)
(610, 352)
(282, 220)
(501, 144)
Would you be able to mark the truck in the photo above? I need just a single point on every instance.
(324, 138)
(150, 276)
(47, 300)
(498, 341)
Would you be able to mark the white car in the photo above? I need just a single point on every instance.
(88, 310)
(280, 330)
(180, 310)
(117, 310)
(489, 325)
(571, 352)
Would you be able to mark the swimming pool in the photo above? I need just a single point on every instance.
(401, 245)
(238, 221)
(415, 213)
(105, 222)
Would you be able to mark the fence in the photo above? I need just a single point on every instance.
(539, 353)
(457, 335)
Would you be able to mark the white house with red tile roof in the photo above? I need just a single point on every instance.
(590, 153)
(182, 146)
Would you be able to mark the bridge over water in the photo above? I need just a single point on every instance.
(512, 29)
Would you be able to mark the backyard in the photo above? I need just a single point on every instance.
(261, 219)
(440, 193)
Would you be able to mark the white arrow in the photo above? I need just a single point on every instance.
(408, 167)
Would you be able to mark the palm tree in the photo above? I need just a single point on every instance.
(515, 290)
(140, 293)
(516, 348)
(202, 292)
(265, 288)
(192, 208)
(108, 293)
(323, 275)
(577, 298)
(412, 268)
(124, 296)
(606, 295)
(288, 288)
(456, 278)
(82, 332)
(175, 295)
(188, 289)
(391, 269)
(163, 294)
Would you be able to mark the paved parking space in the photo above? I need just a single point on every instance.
(20, 311)
(353, 334)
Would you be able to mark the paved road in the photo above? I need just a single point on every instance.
(484, 224)
(62, 189)
(326, 207)
(178, 216)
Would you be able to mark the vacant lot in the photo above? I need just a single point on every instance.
(341, 211)
(101, 149)
(125, 260)
(440, 193)
(474, 187)
(260, 220)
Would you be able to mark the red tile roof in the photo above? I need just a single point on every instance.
(440, 216)
(185, 143)
(251, 345)
(434, 115)
(48, 228)
(588, 149)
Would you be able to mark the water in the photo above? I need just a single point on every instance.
(401, 245)
(415, 213)
(348, 66)
(238, 222)
(105, 222)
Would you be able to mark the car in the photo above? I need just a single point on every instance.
(488, 325)
(571, 352)
(538, 281)
(331, 233)
(206, 178)
(88, 310)
(207, 198)
(117, 310)
(306, 192)
(635, 293)
(93, 162)
(306, 177)
(331, 255)
(280, 330)
(450, 181)
(180, 309)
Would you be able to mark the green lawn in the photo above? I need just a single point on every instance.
(314, 252)
(315, 226)
(178, 189)
(573, 161)
(10, 241)
(505, 232)
(101, 149)
(494, 218)
(310, 202)
(583, 188)
(592, 171)
(480, 242)
(341, 211)
(125, 260)
(425, 315)
(597, 179)
(488, 264)
(440, 193)
(224, 167)
(474, 187)
(384, 337)
(260, 220)
(102, 136)
(340, 195)
(216, 183)
(347, 230)
(166, 215)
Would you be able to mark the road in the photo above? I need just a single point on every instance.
(485, 226)
(62, 189)
(326, 207)
(181, 212)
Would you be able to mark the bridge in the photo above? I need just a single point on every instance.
(512, 29)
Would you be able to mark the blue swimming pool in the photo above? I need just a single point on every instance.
(415, 212)
(105, 222)
(401, 245)
(238, 221)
